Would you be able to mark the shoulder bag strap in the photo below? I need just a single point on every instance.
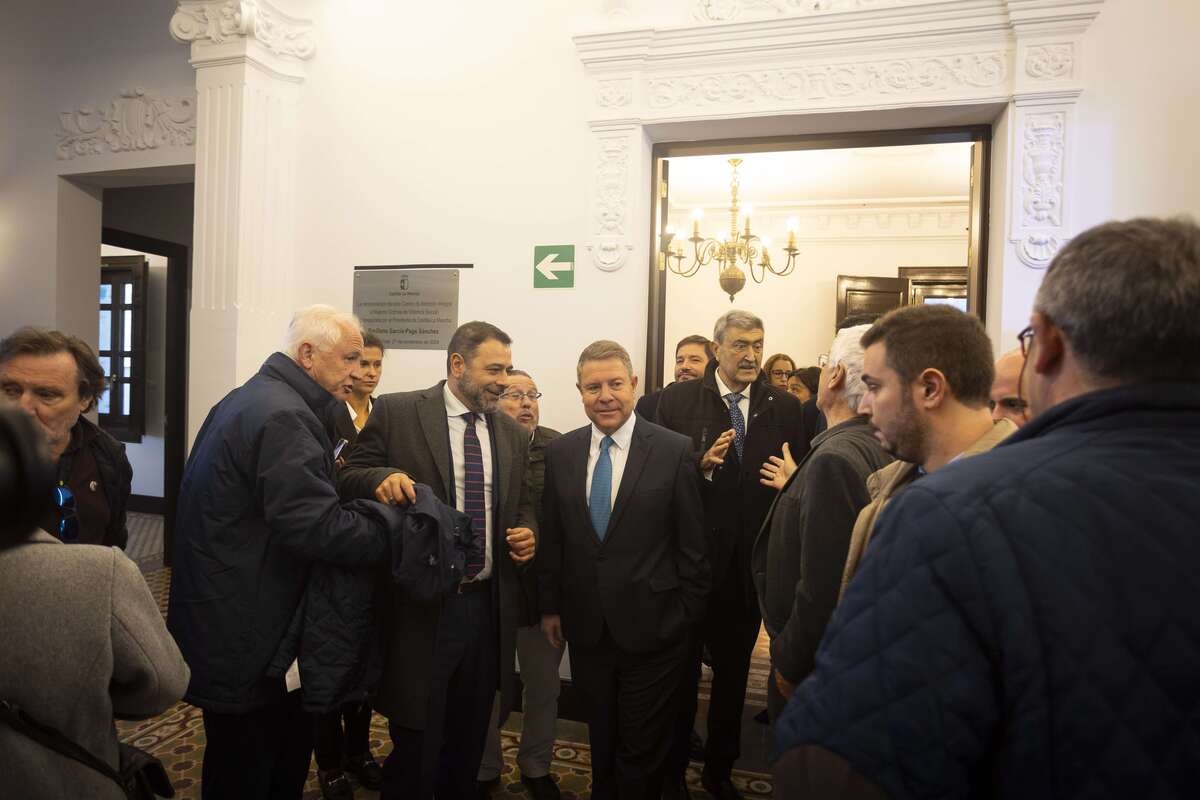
(55, 740)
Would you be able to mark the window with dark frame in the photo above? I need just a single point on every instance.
(122, 350)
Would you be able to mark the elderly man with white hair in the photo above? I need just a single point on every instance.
(801, 548)
(259, 507)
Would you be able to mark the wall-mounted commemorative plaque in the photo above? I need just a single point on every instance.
(413, 307)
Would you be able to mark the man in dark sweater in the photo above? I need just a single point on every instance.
(801, 549)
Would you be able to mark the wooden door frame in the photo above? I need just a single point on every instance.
(176, 374)
(977, 250)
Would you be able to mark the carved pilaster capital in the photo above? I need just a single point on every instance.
(218, 22)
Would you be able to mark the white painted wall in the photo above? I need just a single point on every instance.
(1133, 139)
(58, 56)
(147, 457)
(465, 144)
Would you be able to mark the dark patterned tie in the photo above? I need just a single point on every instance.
(738, 421)
(473, 503)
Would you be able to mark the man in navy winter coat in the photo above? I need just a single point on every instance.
(257, 508)
(1025, 624)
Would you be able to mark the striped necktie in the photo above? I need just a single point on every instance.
(473, 502)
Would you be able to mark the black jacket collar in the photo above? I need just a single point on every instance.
(282, 368)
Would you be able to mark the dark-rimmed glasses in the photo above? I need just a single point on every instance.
(1025, 337)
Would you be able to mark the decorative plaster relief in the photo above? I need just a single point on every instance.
(134, 120)
(903, 76)
(219, 21)
(1050, 61)
(1041, 170)
(614, 93)
(1043, 146)
(726, 10)
(611, 204)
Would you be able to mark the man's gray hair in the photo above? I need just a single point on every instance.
(320, 325)
(847, 350)
(603, 350)
(1125, 295)
(735, 319)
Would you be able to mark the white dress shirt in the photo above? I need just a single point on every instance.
(618, 454)
(354, 414)
(458, 428)
(743, 404)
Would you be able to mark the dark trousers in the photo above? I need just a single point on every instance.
(342, 734)
(630, 701)
(730, 629)
(444, 758)
(260, 755)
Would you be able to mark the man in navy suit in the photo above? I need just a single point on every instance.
(622, 572)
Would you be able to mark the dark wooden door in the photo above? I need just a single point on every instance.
(869, 295)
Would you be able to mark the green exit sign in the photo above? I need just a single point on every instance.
(554, 266)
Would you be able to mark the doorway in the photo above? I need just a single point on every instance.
(149, 365)
(871, 219)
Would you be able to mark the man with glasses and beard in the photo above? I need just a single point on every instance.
(736, 422)
(445, 661)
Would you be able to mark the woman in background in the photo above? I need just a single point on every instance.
(775, 370)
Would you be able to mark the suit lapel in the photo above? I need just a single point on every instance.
(501, 460)
(639, 454)
(432, 413)
(577, 474)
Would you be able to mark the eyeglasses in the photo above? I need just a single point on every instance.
(68, 525)
(519, 396)
(779, 373)
(823, 360)
(1014, 404)
(1025, 337)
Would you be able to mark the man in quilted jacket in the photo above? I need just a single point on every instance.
(1024, 622)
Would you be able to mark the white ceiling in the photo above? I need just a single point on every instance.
(820, 176)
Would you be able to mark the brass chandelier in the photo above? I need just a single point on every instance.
(736, 252)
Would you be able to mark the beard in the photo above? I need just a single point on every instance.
(906, 441)
(479, 399)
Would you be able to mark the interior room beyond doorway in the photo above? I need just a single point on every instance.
(876, 214)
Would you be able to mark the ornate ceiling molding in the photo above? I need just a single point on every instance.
(218, 22)
(134, 120)
(727, 10)
(887, 78)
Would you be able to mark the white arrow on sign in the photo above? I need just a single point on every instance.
(548, 266)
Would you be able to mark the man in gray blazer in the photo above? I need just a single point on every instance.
(444, 661)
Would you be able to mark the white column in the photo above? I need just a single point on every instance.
(249, 58)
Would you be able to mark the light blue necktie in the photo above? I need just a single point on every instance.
(600, 505)
(738, 421)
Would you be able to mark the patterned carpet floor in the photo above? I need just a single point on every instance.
(177, 736)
